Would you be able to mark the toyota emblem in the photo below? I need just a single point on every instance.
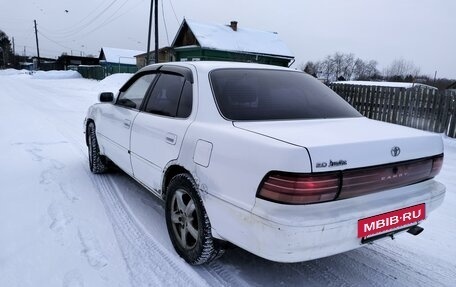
(395, 151)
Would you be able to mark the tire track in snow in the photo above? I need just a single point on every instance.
(427, 273)
(323, 273)
(222, 275)
(148, 263)
(216, 273)
(383, 269)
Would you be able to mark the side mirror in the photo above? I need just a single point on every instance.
(106, 97)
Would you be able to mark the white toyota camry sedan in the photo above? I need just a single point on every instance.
(266, 158)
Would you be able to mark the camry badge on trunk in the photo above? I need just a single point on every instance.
(395, 151)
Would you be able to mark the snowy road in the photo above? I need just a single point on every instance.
(62, 226)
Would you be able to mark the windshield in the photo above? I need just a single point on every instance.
(255, 94)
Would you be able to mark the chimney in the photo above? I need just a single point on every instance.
(233, 25)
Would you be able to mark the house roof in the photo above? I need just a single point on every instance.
(119, 56)
(163, 49)
(224, 38)
(385, 84)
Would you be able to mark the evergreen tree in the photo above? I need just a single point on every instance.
(6, 54)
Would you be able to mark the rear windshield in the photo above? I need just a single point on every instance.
(256, 95)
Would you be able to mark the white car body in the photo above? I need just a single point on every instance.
(229, 160)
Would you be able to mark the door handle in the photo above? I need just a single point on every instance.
(127, 124)
(171, 138)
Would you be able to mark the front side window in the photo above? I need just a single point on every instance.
(258, 95)
(134, 95)
(171, 96)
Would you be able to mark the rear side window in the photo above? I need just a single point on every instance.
(171, 96)
(185, 104)
(254, 94)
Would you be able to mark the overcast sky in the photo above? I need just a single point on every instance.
(421, 31)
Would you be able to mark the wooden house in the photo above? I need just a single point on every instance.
(197, 41)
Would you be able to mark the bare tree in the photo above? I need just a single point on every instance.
(328, 69)
(360, 69)
(343, 65)
(311, 68)
(340, 66)
(348, 66)
(401, 69)
(366, 71)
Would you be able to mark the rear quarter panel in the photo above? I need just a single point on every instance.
(239, 161)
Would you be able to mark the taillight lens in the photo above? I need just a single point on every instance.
(300, 188)
(362, 182)
(292, 188)
(437, 164)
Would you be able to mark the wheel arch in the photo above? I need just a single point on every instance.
(171, 171)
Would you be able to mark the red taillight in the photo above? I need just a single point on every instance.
(362, 182)
(437, 164)
(300, 188)
(320, 187)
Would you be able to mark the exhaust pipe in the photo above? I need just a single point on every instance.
(415, 230)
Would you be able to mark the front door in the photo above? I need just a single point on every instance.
(114, 126)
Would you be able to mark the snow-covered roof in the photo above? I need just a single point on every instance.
(385, 84)
(224, 38)
(122, 56)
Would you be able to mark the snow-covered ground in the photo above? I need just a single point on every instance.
(62, 226)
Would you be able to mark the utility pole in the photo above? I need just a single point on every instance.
(150, 28)
(156, 31)
(37, 46)
(14, 54)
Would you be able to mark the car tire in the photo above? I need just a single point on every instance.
(188, 224)
(97, 162)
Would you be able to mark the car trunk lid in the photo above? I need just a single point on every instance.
(340, 144)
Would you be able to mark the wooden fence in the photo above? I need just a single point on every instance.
(424, 109)
(98, 72)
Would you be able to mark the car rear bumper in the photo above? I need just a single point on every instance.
(293, 233)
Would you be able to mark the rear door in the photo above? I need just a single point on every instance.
(114, 125)
(159, 129)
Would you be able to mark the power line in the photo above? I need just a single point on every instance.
(164, 21)
(107, 16)
(81, 21)
(93, 11)
(66, 33)
(77, 29)
(63, 46)
(174, 12)
(110, 18)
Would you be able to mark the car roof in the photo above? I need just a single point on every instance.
(206, 66)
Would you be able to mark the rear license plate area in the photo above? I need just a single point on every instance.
(391, 221)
